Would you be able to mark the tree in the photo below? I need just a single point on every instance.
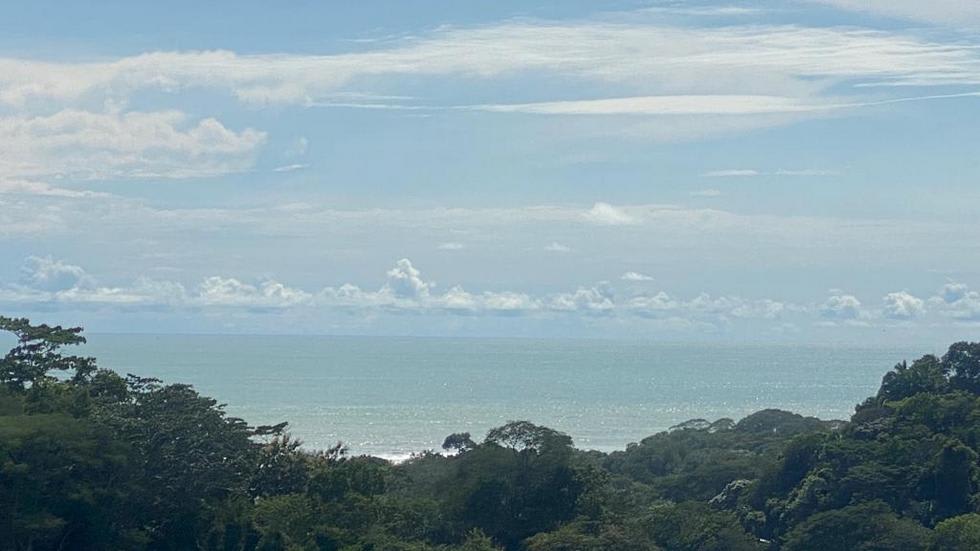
(476, 540)
(525, 436)
(694, 526)
(38, 352)
(280, 468)
(870, 526)
(91, 460)
(960, 533)
(59, 486)
(520, 481)
(951, 478)
(458, 442)
(590, 536)
(924, 375)
(777, 421)
(962, 363)
(186, 455)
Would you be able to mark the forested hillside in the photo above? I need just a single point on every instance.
(91, 459)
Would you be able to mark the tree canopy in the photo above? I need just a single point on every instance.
(90, 459)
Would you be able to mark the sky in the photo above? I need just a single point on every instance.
(793, 171)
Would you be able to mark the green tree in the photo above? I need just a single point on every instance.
(870, 526)
(525, 436)
(962, 363)
(458, 442)
(59, 485)
(37, 353)
(924, 375)
(476, 540)
(960, 533)
(590, 536)
(186, 456)
(694, 526)
(950, 478)
(518, 482)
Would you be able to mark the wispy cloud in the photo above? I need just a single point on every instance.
(30, 187)
(556, 247)
(291, 168)
(957, 13)
(692, 104)
(717, 79)
(635, 276)
(750, 172)
(732, 173)
(806, 172)
(685, 230)
(86, 145)
(608, 215)
(789, 64)
(703, 11)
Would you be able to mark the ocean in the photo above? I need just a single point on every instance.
(390, 396)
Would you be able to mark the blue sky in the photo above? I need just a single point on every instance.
(791, 171)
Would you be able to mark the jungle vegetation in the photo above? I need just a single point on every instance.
(91, 460)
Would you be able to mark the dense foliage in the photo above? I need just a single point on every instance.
(93, 460)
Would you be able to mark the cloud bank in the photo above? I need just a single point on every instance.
(405, 290)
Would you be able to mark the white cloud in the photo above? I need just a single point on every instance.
(739, 172)
(556, 247)
(405, 281)
(658, 305)
(20, 217)
(690, 104)
(957, 301)
(102, 296)
(902, 305)
(946, 12)
(706, 309)
(406, 291)
(459, 300)
(509, 302)
(49, 280)
(805, 172)
(221, 291)
(291, 168)
(598, 299)
(751, 60)
(842, 307)
(608, 215)
(27, 187)
(702, 11)
(953, 292)
(161, 292)
(717, 107)
(697, 81)
(764, 309)
(451, 246)
(47, 274)
(635, 276)
(692, 236)
(82, 144)
(50, 283)
(732, 173)
(707, 193)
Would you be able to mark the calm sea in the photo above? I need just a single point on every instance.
(393, 396)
